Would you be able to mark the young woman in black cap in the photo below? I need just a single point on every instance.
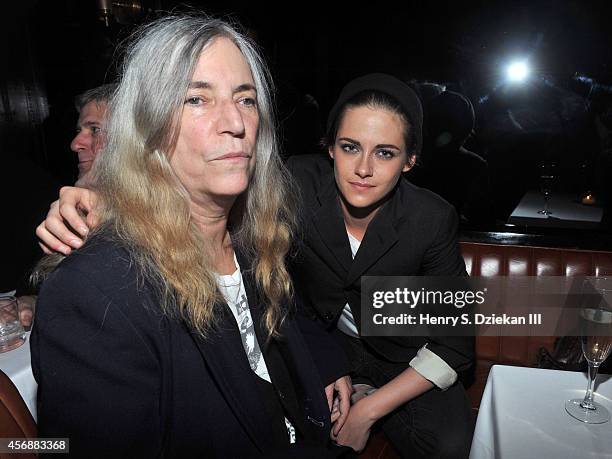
(361, 218)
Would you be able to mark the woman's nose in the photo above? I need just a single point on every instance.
(230, 120)
(363, 168)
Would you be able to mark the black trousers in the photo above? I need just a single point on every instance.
(436, 424)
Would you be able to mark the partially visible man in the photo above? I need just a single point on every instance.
(89, 140)
(90, 137)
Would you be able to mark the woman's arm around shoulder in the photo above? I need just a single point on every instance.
(68, 221)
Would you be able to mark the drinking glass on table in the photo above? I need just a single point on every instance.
(547, 178)
(596, 337)
(12, 333)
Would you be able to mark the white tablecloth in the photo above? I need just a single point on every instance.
(566, 212)
(16, 364)
(522, 415)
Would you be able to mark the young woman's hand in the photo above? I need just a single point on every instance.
(68, 221)
(340, 406)
(356, 429)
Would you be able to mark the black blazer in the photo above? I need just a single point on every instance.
(414, 233)
(121, 380)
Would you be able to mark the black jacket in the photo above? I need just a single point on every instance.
(414, 233)
(121, 380)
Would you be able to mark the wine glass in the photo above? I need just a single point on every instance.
(596, 338)
(547, 178)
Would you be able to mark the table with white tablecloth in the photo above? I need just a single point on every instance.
(16, 365)
(567, 212)
(522, 416)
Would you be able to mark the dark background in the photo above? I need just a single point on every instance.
(52, 50)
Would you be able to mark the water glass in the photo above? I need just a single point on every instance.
(12, 333)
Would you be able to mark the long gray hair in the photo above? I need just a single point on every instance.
(146, 206)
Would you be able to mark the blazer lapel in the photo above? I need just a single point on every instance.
(276, 353)
(223, 352)
(329, 224)
(281, 379)
(379, 238)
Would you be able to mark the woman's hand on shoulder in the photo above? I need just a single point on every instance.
(68, 221)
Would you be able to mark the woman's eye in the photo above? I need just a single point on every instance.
(194, 100)
(385, 154)
(349, 147)
(95, 129)
(248, 101)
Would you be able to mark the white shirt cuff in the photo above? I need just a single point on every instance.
(433, 368)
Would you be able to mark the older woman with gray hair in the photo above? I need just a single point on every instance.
(167, 333)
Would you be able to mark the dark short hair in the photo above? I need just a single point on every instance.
(384, 91)
(374, 99)
(98, 94)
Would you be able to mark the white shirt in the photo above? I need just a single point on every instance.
(232, 289)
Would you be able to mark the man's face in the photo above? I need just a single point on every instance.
(90, 137)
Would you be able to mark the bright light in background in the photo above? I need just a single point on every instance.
(517, 71)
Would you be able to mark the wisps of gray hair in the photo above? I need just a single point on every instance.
(145, 112)
(143, 127)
